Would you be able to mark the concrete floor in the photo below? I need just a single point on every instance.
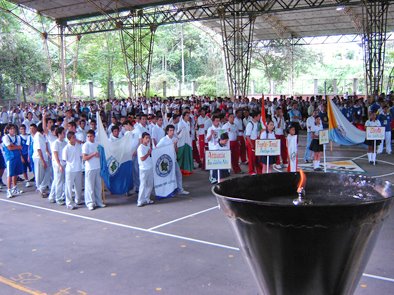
(182, 245)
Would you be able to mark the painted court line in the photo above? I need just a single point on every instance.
(182, 218)
(154, 232)
(124, 225)
(19, 287)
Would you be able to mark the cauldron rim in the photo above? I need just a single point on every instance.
(350, 203)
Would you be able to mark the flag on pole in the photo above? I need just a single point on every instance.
(263, 119)
(340, 129)
(115, 160)
(164, 177)
(292, 151)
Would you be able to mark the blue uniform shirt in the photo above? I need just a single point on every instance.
(385, 121)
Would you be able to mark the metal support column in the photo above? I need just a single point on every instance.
(374, 43)
(62, 63)
(237, 35)
(137, 47)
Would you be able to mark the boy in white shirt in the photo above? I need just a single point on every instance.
(72, 155)
(42, 172)
(57, 188)
(91, 157)
(146, 171)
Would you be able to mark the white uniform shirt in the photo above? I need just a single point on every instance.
(58, 146)
(39, 143)
(214, 137)
(6, 140)
(232, 131)
(240, 126)
(89, 148)
(280, 125)
(157, 133)
(203, 121)
(141, 152)
(310, 122)
(252, 130)
(72, 155)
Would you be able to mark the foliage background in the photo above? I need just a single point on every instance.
(24, 60)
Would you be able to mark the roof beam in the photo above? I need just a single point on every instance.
(198, 12)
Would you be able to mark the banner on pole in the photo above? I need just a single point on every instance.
(216, 160)
(375, 133)
(267, 147)
(324, 137)
(164, 177)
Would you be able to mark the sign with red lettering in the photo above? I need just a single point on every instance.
(375, 133)
(216, 160)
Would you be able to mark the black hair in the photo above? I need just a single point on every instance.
(59, 131)
(145, 134)
(168, 127)
(70, 134)
(91, 132)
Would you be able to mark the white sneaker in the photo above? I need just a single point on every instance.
(90, 207)
(277, 166)
(10, 194)
(27, 183)
(16, 191)
(183, 192)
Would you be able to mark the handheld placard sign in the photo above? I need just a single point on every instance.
(267, 147)
(375, 133)
(217, 160)
(324, 139)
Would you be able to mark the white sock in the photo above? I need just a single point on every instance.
(374, 157)
(369, 157)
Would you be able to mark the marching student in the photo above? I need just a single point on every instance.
(91, 157)
(315, 146)
(158, 131)
(42, 171)
(268, 160)
(72, 155)
(57, 188)
(168, 140)
(251, 134)
(25, 153)
(372, 122)
(292, 149)
(115, 133)
(221, 144)
(145, 171)
(13, 156)
(232, 131)
(30, 143)
(385, 121)
(241, 140)
(280, 128)
(203, 123)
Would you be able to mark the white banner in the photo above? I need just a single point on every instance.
(164, 177)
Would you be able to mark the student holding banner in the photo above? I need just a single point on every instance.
(168, 140)
(268, 160)
(315, 146)
(372, 122)
(292, 149)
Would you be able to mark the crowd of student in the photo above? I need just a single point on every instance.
(57, 141)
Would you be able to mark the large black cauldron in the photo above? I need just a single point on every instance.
(316, 249)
